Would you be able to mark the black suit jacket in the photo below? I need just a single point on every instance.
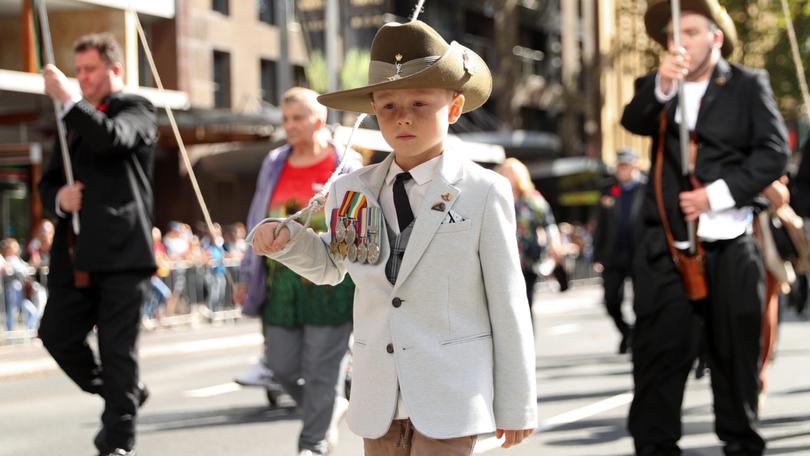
(800, 184)
(740, 134)
(608, 223)
(115, 232)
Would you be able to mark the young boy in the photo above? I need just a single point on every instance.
(443, 346)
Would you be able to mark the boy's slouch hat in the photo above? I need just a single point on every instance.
(414, 56)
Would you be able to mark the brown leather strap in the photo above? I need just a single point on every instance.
(659, 196)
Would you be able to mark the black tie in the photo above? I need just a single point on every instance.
(401, 203)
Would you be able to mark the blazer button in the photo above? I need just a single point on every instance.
(389, 348)
(396, 302)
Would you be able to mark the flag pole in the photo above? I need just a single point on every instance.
(683, 128)
(57, 106)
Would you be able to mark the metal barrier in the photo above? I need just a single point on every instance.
(190, 301)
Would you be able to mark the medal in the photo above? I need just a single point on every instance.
(374, 226)
(340, 230)
(351, 233)
(352, 253)
(373, 253)
(362, 249)
(362, 253)
(343, 249)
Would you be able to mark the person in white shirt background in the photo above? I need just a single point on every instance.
(738, 147)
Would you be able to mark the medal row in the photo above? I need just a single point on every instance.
(356, 230)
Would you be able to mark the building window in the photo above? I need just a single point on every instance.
(145, 78)
(268, 81)
(266, 11)
(222, 79)
(220, 6)
(300, 76)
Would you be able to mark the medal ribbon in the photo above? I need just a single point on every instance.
(333, 221)
(363, 222)
(348, 197)
(358, 202)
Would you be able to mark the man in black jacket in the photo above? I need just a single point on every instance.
(615, 237)
(738, 142)
(111, 139)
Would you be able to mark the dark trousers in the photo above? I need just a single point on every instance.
(113, 304)
(666, 340)
(531, 279)
(613, 278)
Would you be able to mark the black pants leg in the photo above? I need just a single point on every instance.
(734, 324)
(113, 304)
(69, 316)
(531, 279)
(664, 348)
(613, 278)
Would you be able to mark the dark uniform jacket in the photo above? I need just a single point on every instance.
(800, 184)
(117, 204)
(741, 138)
(617, 227)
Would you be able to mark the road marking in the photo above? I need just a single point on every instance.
(45, 363)
(484, 445)
(211, 391)
(563, 329)
(204, 345)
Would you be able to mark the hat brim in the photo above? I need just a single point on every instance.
(659, 15)
(450, 72)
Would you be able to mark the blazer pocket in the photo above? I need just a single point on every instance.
(454, 227)
(465, 339)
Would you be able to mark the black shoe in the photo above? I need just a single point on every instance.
(624, 346)
(702, 368)
(119, 452)
(627, 342)
(100, 439)
(739, 449)
(143, 394)
(658, 450)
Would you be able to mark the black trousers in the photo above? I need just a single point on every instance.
(113, 304)
(613, 278)
(666, 339)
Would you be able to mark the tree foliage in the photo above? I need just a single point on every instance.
(763, 43)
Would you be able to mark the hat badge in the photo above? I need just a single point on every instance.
(397, 67)
(469, 64)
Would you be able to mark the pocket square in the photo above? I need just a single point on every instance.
(453, 217)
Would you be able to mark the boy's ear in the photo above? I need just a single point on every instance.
(456, 108)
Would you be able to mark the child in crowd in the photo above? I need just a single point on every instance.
(15, 272)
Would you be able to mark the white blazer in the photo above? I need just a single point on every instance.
(463, 346)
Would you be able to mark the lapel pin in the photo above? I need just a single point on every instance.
(721, 81)
(447, 196)
(438, 207)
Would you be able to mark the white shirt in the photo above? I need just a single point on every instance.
(415, 188)
(723, 220)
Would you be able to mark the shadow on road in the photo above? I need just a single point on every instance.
(161, 422)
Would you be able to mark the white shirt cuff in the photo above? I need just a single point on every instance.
(69, 105)
(719, 196)
(58, 210)
(660, 95)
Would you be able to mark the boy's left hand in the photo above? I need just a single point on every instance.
(513, 437)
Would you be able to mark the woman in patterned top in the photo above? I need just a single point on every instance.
(536, 230)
